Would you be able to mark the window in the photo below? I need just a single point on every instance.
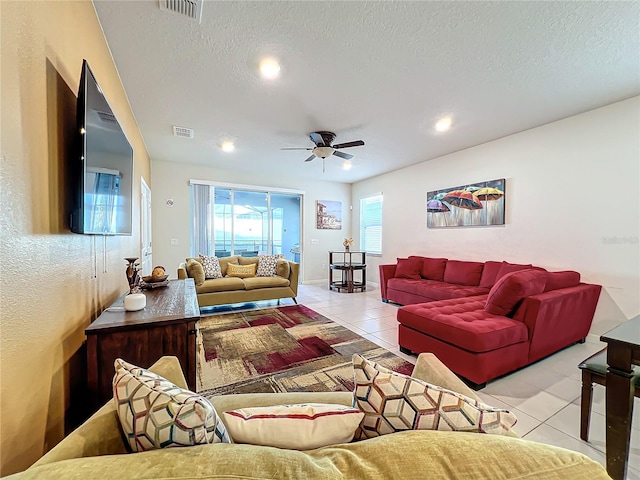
(234, 221)
(371, 224)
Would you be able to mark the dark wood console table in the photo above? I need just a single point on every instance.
(623, 351)
(348, 263)
(166, 326)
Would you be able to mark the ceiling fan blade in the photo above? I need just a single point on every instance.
(317, 139)
(310, 158)
(357, 143)
(343, 155)
(296, 148)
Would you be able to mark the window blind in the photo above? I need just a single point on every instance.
(371, 224)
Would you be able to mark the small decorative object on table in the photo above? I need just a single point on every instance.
(135, 300)
(347, 242)
(158, 278)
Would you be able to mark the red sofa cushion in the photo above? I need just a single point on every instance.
(409, 268)
(463, 273)
(463, 322)
(494, 271)
(433, 268)
(444, 291)
(404, 285)
(556, 280)
(512, 288)
(489, 274)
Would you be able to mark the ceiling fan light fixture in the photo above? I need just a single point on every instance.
(323, 152)
(269, 69)
(443, 124)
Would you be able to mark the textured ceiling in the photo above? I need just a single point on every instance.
(382, 72)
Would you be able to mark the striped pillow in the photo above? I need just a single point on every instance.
(296, 427)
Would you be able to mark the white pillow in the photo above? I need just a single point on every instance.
(155, 413)
(393, 402)
(296, 427)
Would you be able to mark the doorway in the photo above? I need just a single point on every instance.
(145, 228)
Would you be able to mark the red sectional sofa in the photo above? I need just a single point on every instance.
(484, 320)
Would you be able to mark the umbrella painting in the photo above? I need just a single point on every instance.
(474, 204)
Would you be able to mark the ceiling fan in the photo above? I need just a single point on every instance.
(324, 147)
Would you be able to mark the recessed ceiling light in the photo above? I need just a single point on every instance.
(347, 165)
(269, 68)
(228, 146)
(443, 124)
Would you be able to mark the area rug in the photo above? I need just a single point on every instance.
(285, 349)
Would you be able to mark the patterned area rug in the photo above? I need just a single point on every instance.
(285, 349)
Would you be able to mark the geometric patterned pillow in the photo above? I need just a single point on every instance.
(211, 266)
(155, 413)
(392, 402)
(267, 265)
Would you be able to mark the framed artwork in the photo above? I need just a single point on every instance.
(328, 215)
(475, 204)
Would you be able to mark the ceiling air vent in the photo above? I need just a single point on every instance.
(182, 132)
(189, 8)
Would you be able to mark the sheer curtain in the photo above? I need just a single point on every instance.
(201, 233)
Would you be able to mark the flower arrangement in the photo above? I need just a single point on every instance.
(347, 242)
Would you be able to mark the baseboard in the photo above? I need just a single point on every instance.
(314, 282)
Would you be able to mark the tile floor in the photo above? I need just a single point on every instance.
(544, 396)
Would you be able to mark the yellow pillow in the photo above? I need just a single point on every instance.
(195, 270)
(241, 271)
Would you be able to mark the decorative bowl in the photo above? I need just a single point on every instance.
(152, 279)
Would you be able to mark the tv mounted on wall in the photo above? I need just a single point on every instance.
(103, 175)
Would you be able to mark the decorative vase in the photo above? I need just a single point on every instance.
(134, 302)
(346, 248)
(132, 274)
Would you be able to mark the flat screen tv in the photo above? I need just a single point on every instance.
(103, 175)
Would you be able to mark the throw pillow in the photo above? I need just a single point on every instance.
(433, 268)
(408, 268)
(557, 280)
(211, 266)
(297, 427)
(283, 269)
(393, 402)
(241, 271)
(512, 288)
(155, 413)
(267, 265)
(195, 270)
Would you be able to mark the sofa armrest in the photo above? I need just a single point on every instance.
(387, 271)
(101, 434)
(558, 318)
(294, 271)
(182, 271)
(430, 369)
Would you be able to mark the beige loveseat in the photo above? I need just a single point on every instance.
(96, 449)
(227, 290)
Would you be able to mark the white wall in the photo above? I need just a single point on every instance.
(572, 202)
(171, 180)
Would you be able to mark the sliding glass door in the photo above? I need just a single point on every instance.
(228, 221)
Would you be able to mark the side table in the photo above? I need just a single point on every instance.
(348, 263)
(623, 351)
(166, 326)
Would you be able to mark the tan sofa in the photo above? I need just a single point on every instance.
(227, 290)
(96, 449)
